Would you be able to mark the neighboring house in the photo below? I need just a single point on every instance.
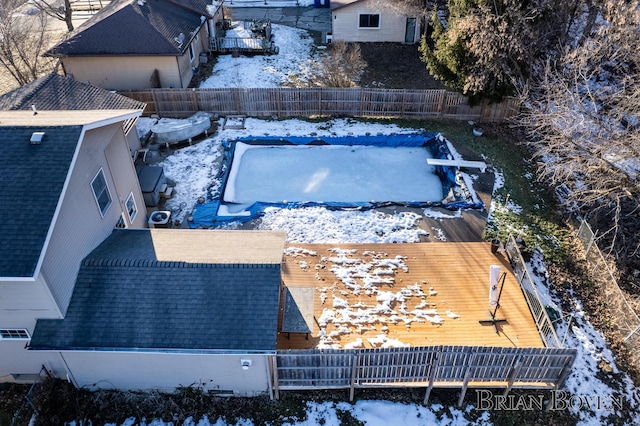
(167, 308)
(68, 179)
(54, 92)
(366, 21)
(137, 44)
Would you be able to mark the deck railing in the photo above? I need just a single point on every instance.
(312, 102)
(536, 306)
(429, 366)
(240, 44)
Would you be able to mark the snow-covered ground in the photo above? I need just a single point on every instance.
(292, 61)
(194, 169)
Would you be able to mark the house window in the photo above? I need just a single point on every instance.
(14, 334)
(192, 54)
(101, 192)
(132, 209)
(369, 20)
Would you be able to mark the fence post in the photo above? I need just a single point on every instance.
(278, 102)
(564, 373)
(432, 378)
(442, 103)
(274, 369)
(465, 383)
(236, 92)
(352, 382)
(155, 101)
(512, 377)
(194, 97)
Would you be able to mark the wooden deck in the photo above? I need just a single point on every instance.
(421, 294)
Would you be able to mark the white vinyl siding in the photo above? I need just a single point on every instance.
(79, 229)
(167, 371)
(346, 24)
(124, 73)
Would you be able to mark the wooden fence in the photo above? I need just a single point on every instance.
(429, 366)
(290, 102)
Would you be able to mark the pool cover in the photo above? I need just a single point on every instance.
(456, 195)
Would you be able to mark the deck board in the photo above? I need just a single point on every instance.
(458, 272)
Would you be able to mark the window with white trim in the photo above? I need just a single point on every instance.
(192, 53)
(132, 209)
(14, 334)
(369, 20)
(101, 192)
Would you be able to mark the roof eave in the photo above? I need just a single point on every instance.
(157, 350)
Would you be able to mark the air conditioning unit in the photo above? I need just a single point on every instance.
(160, 219)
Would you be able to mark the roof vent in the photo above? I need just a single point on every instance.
(180, 39)
(202, 19)
(36, 138)
(140, 3)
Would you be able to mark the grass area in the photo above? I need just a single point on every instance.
(523, 205)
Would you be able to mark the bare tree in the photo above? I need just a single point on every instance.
(23, 40)
(417, 8)
(584, 123)
(53, 8)
(341, 66)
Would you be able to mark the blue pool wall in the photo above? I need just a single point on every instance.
(205, 214)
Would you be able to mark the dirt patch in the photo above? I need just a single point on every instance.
(395, 66)
(12, 404)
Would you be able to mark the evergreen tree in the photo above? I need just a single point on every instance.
(486, 47)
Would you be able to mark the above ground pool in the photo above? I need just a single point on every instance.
(336, 172)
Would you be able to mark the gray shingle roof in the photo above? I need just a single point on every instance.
(32, 178)
(126, 28)
(55, 92)
(126, 299)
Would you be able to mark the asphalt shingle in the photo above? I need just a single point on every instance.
(32, 179)
(126, 299)
(54, 92)
(125, 27)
